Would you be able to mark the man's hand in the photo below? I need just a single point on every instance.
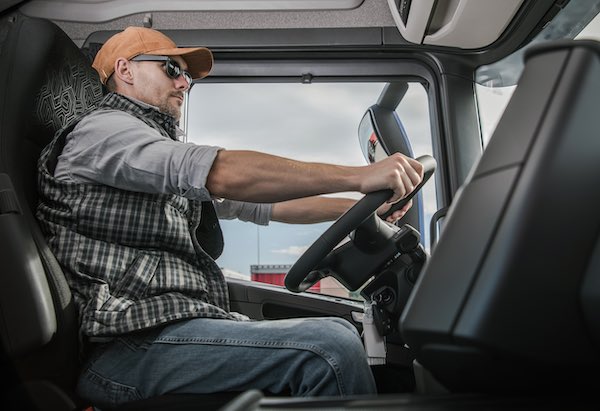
(396, 215)
(397, 172)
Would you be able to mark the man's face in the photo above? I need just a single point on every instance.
(155, 87)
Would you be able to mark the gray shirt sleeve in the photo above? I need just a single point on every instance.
(114, 148)
(256, 213)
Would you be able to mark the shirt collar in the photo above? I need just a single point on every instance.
(142, 109)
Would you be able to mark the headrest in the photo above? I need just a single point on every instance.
(46, 81)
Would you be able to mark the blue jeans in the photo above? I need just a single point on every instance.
(304, 357)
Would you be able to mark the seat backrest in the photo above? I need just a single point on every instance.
(45, 81)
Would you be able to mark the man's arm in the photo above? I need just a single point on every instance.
(258, 177)
(312, 210)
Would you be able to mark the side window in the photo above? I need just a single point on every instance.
(310, 122)
(491, 101)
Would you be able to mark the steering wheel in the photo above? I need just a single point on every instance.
(301, 276)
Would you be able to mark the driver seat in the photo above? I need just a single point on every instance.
(509, 299)
(47, 81)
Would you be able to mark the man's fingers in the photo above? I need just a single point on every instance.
(408, 183)
(415, 172)
(408, 180)
(414, 175)
(398, 214)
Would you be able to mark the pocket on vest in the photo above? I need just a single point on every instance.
(137, 277)
(133, 283)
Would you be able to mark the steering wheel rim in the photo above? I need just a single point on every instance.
(298, 278)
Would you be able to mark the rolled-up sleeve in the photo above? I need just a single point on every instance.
(116, 149)
(256, 213)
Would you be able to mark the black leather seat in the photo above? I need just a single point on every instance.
(45, 81)
(509, 300)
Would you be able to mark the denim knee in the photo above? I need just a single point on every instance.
(341, 342)
(341, 336)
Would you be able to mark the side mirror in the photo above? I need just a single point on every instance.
(369, 140)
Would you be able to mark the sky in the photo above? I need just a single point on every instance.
(316, 122)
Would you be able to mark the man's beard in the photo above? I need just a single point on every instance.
(170, 109)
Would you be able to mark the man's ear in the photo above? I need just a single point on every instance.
(123, 70)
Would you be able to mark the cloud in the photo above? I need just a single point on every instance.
(295, 250)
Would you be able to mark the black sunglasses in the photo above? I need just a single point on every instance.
(172, 68)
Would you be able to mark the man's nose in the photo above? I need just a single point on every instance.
(181, 83)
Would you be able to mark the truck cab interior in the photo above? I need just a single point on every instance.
(486, 295)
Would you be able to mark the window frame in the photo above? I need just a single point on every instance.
(301, 69)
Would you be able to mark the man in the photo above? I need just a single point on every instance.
(129, 212)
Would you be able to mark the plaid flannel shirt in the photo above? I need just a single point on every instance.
(132, 260)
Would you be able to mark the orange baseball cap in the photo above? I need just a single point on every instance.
(134, 41)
